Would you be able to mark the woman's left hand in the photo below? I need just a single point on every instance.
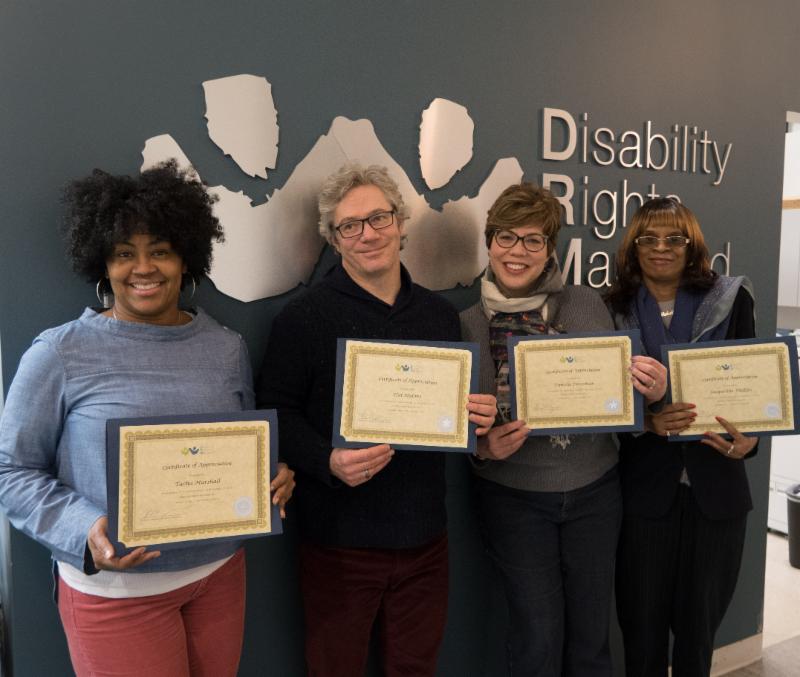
(482, 411)
(736, 448)
(282, 487)
(649, 377)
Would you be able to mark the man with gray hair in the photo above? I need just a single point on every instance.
(372, 522)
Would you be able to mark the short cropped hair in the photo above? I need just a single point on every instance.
(525, 204)
(347, 177)
(660, 211)
(102, 210)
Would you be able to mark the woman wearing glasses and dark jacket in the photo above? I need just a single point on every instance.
(685, 504)
(549, 506)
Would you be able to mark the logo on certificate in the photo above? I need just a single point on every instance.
(190, 450)
(612, 405)
(445, 424)
(243, 506)
(772, 410)
(568, 359)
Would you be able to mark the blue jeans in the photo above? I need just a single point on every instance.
(555, 552)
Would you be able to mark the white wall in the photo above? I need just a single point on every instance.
(789, 270)
(791, 163)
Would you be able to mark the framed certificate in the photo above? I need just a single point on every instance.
(175, 479)
(411, 394)
(750, 382)
(576, 383)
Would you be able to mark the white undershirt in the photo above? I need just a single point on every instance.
(120, 585)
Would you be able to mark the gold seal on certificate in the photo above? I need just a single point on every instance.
(748, 383)
(574, 383)
(190, 481)
(404, 394)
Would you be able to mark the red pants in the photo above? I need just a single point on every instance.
(346, 589)
(195, 630)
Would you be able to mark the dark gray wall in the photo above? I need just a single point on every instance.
(5, 563)
(85, 83)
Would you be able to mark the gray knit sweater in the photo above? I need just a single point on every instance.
(554, 462)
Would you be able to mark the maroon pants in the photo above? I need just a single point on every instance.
(194, 630)
(346, 589)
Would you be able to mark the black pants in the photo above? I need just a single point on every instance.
(678, 573)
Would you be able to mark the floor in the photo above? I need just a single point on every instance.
(781, 657)
(779, 660)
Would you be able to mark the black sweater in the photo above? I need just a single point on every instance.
(403, 505)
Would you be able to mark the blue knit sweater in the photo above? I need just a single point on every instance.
(75, 377)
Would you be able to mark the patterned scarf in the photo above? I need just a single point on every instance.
(516, 317)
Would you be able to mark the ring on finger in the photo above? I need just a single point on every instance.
(730, 451)
(667, 432)
(366, 474)
(652, 384)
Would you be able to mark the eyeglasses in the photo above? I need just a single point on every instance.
(533, 243)
(355, 227)
(671, 241)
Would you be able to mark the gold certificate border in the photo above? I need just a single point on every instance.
(260, 523)
(678, 359)
(626, 415)
(354, 349)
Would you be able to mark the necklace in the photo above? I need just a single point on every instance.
(667, 313)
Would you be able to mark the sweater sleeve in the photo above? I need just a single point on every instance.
(246, 376)
(743, 326)
(582, 309)
(36, 501)
(284, 384)
(743, 323)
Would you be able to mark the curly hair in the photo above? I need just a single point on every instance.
(525, 204)
(102, 210)
(661, 211)
(347, 177)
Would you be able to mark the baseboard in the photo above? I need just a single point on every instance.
(737, 655)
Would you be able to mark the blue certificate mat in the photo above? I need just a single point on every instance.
(410, 394)
(752, 383)
(178, 480)
(575, 383)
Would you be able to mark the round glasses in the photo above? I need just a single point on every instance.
(533, 243)
(355, 227)
(671, 241)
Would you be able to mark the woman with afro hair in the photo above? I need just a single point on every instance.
(141, 240)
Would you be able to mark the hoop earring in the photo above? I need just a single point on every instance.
(103, 295)
(194, 289)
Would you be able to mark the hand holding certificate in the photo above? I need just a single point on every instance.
(191, 478)
(412, 395)
(750, 383)
(575, 383)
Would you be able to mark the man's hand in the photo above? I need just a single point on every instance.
(356, 466)
(103, 551)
